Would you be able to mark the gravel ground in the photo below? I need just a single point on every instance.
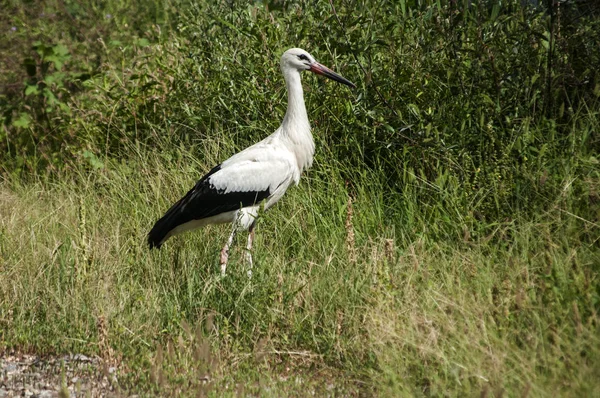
(75, 375)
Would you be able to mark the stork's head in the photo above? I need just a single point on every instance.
(300, 60)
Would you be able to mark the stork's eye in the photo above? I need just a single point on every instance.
(303, 57)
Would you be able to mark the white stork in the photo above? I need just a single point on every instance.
(233, 191)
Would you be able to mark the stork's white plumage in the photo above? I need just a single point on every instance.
(233, 191)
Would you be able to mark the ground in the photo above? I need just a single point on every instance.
(71, 375)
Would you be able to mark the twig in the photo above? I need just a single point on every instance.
(292, 353)
(579, 218)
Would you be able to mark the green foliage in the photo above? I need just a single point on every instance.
(49, 59)
(347, 296)
(486, 101)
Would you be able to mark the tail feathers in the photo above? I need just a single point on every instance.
(159, 233)
(174, 217)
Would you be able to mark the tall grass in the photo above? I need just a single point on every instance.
(392, 308)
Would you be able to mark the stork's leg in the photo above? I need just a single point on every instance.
(225, 251)
(249, 248)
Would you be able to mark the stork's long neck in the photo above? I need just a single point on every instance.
(295, 126)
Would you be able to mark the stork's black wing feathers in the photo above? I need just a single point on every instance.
(202, 201)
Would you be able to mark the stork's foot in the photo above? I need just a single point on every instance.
(224, 258)
(248, 258)
(248, 253)
(225, 252)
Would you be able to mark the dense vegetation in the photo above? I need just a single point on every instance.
(445, 242)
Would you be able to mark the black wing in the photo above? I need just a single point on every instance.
(202, 201)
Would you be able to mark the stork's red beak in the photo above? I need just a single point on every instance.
(325, 71)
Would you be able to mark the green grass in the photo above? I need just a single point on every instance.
(387, 311)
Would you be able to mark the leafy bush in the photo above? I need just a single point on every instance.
(493, 103)
(50, 56)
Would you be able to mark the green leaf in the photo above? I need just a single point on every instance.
(495, 12)
(23, 121)
(534, 78)
(31, 89)
(50, 97)
(92, 160)
(61, 50)
(414, 109)
(486, 98)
